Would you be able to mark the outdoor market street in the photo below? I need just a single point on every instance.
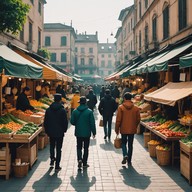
(105, 173)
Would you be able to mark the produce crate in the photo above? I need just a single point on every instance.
(146, 138)
(6, 135)
(152, 149)
(21, 136)
(41, 142)
(185, 148)
(20, 170)
(163, 157)
(5, 165)
(186, 165)
(26, 154)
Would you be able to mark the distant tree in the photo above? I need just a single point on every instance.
(44, 53)
(12, 15)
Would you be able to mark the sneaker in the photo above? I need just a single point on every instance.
(105, 137)
(58, 168)
(79, 164)
(52, 162)
(124, 160)
(85, 165)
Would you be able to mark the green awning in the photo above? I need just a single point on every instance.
(126, 71)
(17, 66)
(185, 61)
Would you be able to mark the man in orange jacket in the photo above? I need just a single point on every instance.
(127, 120)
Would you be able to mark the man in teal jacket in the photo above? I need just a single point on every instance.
(83, 120)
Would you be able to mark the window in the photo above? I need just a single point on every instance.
(140, 10)
(102, 63)
(146, 37)
(139, 39)
(63, 57)
(47, 41)
(30, 32)
(90, 61)
(22, 34)
(166, 22)
(39, 7)
(90, 50)
(102, 55)
(53, 57)
(82, 50)
(76, 49)
(109, 55)
(82, 61)
(32, 1)
(182, 14)
(39, 38)
(146, 4)
(109, 63)
(154, 28)
(63, 41)
(131, 23)
(76, 60)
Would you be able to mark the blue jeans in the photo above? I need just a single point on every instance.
(127, 152)
(107, 121)
(83, 142)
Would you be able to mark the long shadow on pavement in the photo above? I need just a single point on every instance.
(133, 179)
(47, 181)
(82, 183)
(109, 146)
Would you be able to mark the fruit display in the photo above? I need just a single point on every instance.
(154, 142)
(164, 125)
(46, 100)
(170, 133)
(187, 119)
(163, 147)
(5, 130)
(187, 140)
(28, 128)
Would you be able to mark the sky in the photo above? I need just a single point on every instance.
(87, 15)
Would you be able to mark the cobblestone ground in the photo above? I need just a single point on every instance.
(105, 173)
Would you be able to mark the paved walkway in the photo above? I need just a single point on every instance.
(105, 173)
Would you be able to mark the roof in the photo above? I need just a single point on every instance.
(170, 93)
(56, 26)
(106, 48)
(124, 12)
(119, 30)
(85, 38)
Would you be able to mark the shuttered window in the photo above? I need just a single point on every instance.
(182, 14)
(47, 41)
(63, 57)
(63, 41)
(154, 29)
(53, 57)
(166, 22)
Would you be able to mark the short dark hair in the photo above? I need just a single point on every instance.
(26, 89)
(107, 91)
(128, 96)
(57, 97)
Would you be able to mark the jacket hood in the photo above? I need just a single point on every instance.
(55, 106)
(82, 107)
(108, 96)
(128, 104)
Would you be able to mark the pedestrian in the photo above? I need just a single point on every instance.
(107, 107)
(125, 90)
(92, 100)
(74, 100)
(102, 92)
(56, 123)
(127, 120)
(115, 93)
(83, 120)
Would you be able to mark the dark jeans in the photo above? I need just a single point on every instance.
(56, 142)
(107, 121)
(127, 152)
(83, 142)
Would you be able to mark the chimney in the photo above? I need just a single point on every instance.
(85, 33)
(96, 33)
(107, 41)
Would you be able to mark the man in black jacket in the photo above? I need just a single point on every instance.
(107, 107)
(56, 123)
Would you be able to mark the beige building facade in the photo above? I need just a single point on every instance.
(59, 40)
(30, 37)
(106, 59)
(86, 54)
(119, 47)
(160, 23)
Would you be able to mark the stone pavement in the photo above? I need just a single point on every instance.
(105, 173)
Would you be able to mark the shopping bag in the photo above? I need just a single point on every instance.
(117, 142)
(101, 123)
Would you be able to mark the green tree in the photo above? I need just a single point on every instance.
(12, 15)
(44, 53)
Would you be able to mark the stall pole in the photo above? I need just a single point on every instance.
(1, 106)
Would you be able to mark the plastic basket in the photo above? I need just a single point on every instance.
(146, 138)
(152, 149)
(20, 170)
(163, 157)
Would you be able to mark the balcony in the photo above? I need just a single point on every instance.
(94, 66)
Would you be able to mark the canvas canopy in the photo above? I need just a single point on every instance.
(17, 66)
(170, 93)
(185, 61)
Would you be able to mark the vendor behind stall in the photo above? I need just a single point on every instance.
(22, 100)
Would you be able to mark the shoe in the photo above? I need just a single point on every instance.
(52, 162)
(58, 168)
(105, 137)
(85, 165)
(79, 164)
(124, 160)
(129, 163)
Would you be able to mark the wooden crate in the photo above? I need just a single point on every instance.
(146, 139)
(185, 147)
(186, 165)
(5, 165)
(28, 155)
(41, 142)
